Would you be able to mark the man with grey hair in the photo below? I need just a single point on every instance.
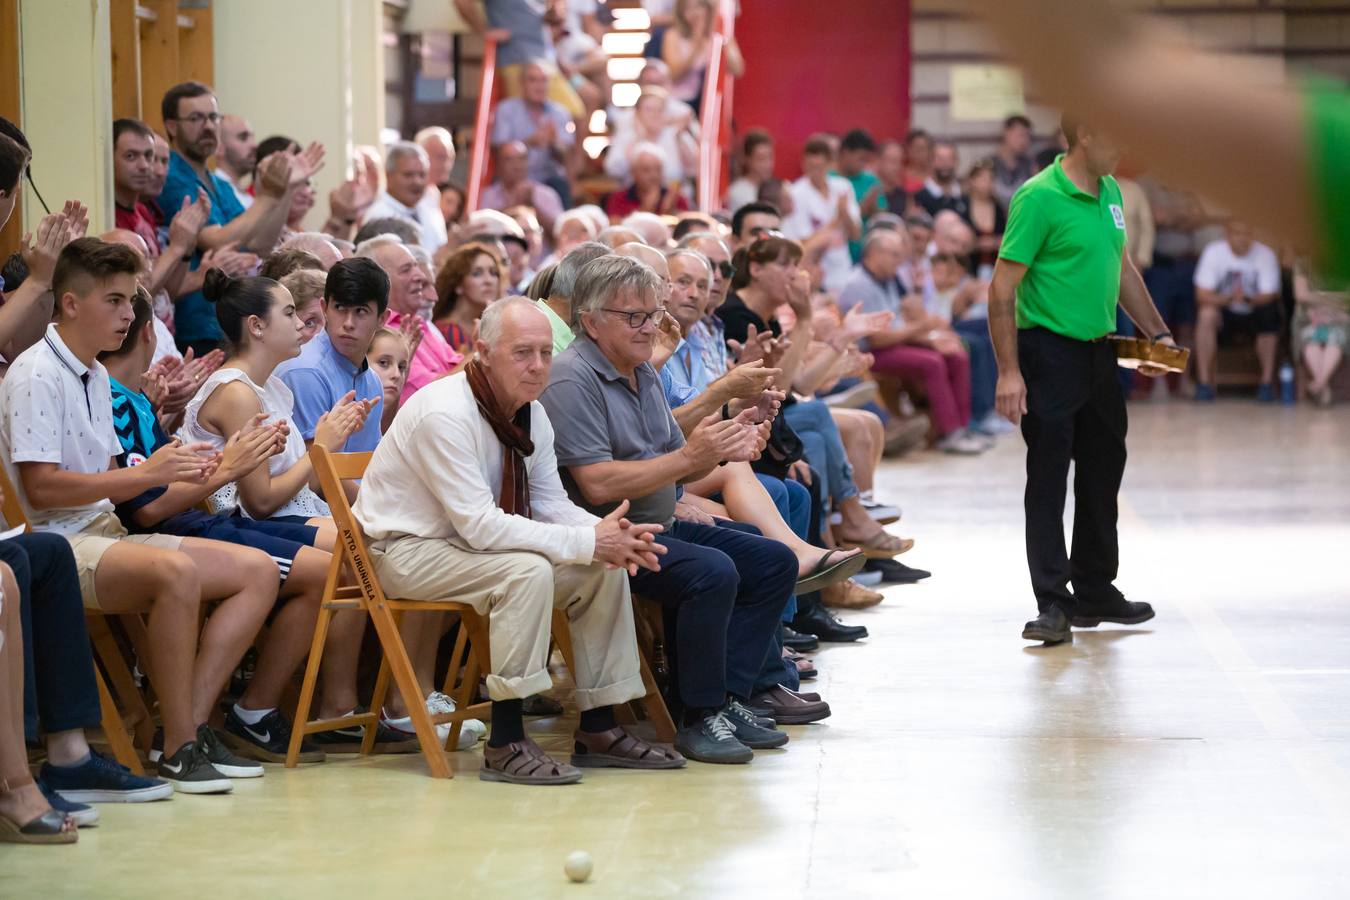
(647, 191)
(405, 195)
(439, 146)
(316, 242)
(434, 356)
(723, 589)
(558, 305)
(615, 236)
(462, 500)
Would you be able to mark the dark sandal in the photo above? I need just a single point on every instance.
(881, 545)
(618, 749)
(525, 762)
(50, 827)
(826, 572)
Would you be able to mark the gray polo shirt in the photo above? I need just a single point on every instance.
(597, 417)
(863, 289)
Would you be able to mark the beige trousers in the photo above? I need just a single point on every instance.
(517, 591)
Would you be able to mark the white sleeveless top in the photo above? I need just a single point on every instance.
(278, 402)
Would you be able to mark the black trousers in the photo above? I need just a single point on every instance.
(723, 590)
(58, 666)
(1075, 413)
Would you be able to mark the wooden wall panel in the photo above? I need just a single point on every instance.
(10, 107)
(160, 68)
(126, 59)
(196, 45)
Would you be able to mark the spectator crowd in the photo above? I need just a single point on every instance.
(569, 405)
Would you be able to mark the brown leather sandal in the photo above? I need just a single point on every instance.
(525, 762)
(618, 749)
(50, 827)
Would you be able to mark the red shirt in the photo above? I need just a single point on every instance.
(140, 220)
(621, 203)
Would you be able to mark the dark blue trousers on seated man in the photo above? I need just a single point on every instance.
(723, 589)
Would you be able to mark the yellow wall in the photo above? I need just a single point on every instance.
(66, 87)
(313, 77)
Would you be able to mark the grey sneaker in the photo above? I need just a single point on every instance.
(712, 739)
(190, 772)
(962, 443)
(750, 730)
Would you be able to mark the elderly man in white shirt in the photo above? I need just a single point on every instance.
(407, 171)
(462, 501)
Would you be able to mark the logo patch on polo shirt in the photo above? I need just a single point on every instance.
(1118, 215)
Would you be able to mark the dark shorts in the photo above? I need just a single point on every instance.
(1171, 284)
(1263, 319)
(280, 539)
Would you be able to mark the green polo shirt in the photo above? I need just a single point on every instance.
(1326, 112)
(1071, 243)
(562, 332)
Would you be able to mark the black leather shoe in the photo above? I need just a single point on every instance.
(1119, 611)
(895, 572)
(1051, 626)
(821, 622)
(802, 643)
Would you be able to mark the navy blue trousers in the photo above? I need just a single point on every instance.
(723, 590)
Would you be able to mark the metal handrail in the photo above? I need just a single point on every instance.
(482, 126)
(715, 113)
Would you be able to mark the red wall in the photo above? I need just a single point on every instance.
(822, 65)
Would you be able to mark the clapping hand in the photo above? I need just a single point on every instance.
(621, 544)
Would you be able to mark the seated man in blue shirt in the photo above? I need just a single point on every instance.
(333, 363)
(192, 123)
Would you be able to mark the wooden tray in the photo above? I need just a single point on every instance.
(1134, 353)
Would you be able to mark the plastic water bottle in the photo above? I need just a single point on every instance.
(1287, 384)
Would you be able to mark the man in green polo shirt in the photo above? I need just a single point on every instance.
(558, 304)
(1060, 274)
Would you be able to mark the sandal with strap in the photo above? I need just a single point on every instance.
(50, 827)
(833, 567)
(618, 749)
(525, 762)
(881, 545)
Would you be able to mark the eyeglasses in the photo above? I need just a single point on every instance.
(637, 319)
(726, 268)
(196, 119)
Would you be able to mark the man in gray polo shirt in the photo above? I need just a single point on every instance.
(723, 589)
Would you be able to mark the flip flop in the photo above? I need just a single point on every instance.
(826, 573)
(879, 546)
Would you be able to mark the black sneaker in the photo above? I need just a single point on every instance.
(895, 572)
(190, 772)
(761, 717)
(750, 730)
(102, 780)
(348, 740)
(219, 755)
(268, 739)
(82, 814)
(712, 739)
(1051, 626)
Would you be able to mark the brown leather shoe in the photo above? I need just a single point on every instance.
(790, 708)
(849, 595)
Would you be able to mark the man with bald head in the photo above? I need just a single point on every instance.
(543, 126)
(434, 356)
(647, 193)
(910, 348)
(439, 146)
(237, 155)
(463, 499)
(515, 187)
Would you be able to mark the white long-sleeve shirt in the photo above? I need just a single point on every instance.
(438, 471)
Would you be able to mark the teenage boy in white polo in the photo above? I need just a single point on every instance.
(58, 443)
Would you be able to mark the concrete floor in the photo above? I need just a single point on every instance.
(1205, 754)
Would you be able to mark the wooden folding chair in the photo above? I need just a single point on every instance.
(352, 554)
(469, 659)
(107, 654)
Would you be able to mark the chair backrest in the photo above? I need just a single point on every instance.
(12, 509)
(351, 549)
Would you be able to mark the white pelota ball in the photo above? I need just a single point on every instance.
(578, 865)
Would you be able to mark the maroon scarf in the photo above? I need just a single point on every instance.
(515, 437)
